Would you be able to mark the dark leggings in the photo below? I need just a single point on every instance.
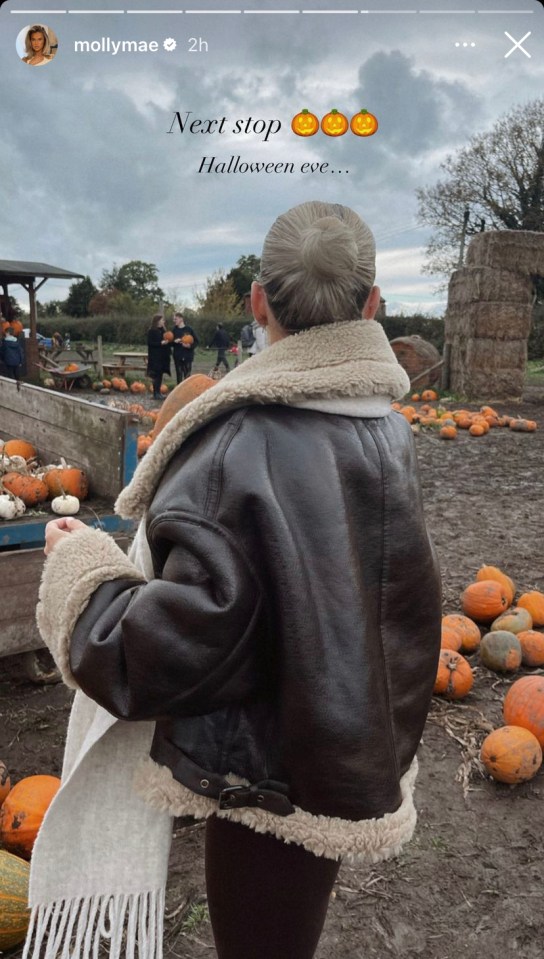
(267, 899)
(157, 383)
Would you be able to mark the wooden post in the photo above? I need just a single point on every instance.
(31, 344)
(99, 357)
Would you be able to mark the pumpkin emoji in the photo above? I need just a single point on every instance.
(334, 124)
(364, 124)
(305, 124)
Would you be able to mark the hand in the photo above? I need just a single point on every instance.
(58, 529)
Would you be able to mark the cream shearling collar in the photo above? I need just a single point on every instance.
(352, 359)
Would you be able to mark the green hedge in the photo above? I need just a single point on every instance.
(133, 329)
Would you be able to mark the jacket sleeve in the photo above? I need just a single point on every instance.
(178, 645)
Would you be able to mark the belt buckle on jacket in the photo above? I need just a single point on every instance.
(266, 795)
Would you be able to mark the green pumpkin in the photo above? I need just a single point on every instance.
(14, 913)
(501, 651)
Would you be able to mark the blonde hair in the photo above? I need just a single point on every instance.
(28, 44)
(318, 265)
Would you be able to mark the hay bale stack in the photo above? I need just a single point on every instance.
(520, 250)
(416, 355)
(484, 284)
(489, 314)
(501, 320)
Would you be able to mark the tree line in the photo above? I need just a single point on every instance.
(133, 290)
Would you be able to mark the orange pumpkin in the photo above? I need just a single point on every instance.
(164, 389)
(71, 368)
(28, 488)
(454, 678)
(364, 124)
(464, 422)
(524, 705)
(533, 602)
(484, 601)
(107, 384)
(16, 327)
(22, 813)
(187, 339)
(14, 911)
(532, 647)
(477, 429)
(493, 572)
(448, 432)
(415, 397)
(460, 632)
(429, 396)
(143, 444)
(137, 387)
(20, 448)
(522, 426)
(511, 754)
(305, 124)
(168, 336)
(69, 481)
(182, 394)
(5, 782)
(334, 124)
(513, 620)
(501, 651)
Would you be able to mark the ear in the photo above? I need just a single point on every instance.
(372, 304)
(259, 303)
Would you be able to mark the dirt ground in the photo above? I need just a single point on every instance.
(471, 882)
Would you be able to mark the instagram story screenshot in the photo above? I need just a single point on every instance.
(271, 495)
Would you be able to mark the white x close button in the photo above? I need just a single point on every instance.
(517, 44)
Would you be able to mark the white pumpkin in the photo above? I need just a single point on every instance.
(65, 505)
(11, 506)
(15, 464)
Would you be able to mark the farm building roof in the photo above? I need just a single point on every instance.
(17, 271)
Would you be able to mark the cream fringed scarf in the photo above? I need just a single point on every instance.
(100, 861)
(99, 867)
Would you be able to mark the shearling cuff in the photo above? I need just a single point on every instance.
(76, 568)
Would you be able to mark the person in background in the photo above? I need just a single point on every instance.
(247, 336)
(37, 46)
(220, 342)
(185, 344)
(260, 341)
(285, 571)
(158, 354)
(235, 353)
(12, 354)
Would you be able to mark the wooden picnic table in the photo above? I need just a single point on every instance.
(86, 353)
(127, 361)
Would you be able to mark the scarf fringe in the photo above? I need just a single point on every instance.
(77, 928)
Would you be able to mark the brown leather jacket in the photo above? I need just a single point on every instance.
(292, 631)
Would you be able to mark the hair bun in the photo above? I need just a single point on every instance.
(328, 249)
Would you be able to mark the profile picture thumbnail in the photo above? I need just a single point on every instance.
(37, 45)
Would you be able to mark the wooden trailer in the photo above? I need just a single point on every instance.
(96, 438)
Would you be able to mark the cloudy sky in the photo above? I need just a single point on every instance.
(91, 177)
